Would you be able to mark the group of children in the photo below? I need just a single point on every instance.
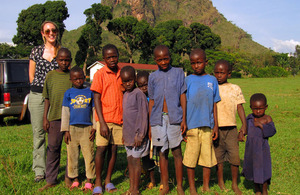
(122, 108)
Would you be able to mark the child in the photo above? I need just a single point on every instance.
(135, 127)
(148, 164)
(108, 96)
(257, 159)
(78, 105)
(167, 111)
(202, 97)
(142, 82)
(227, 147)
(56, 83)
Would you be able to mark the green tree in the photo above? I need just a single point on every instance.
(295, 61)
(30, 20)
(13, 52)
(135, 35)
(181, 39)
(90, 40)
(297, 51)
(282, 60)
(174, 35)
(203, 38)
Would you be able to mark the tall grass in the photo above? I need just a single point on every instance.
(16, 176)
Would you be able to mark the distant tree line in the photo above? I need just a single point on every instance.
(139, 38)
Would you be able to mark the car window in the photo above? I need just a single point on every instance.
(16, 72)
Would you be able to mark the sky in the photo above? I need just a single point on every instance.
(274, 24)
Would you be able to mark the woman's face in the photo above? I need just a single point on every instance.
(50, 32)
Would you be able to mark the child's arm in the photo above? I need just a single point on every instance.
(98, 106)
(268, 128)
(65, 122)
(46, 123)
(183, 106)
(215, 129)
(243, 130)
(151, 104)
(93, 131)
(141, 126)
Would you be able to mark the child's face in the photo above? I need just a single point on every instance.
(77, 79)
(198, 63)
(162, 59)
(111, 58)
(142, 83)
(258, 108)
(128, 81)
(221, 73)
(64, 61)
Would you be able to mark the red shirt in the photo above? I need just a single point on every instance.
(109, 85)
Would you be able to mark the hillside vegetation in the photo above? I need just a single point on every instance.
(248, 58)
(233, 38)
(189, 11)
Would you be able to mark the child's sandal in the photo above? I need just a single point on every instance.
(150, 185)
(74, 185)
(87, 187)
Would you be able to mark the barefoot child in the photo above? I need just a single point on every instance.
(108, 96)
(227, 147)
(202, 97)
(167, 111)
(78, 105)
(56, 83)
(257, 160)
(135, 127)
(148, 164)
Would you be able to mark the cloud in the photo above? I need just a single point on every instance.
(287, 46)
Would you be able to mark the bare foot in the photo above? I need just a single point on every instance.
(164, 190)
(45, 187)
(222, 187)
(193, 192)
(205, 189)
(258, 193)
(68, 182)
(236, 190)
(135, 193)
(180, 191)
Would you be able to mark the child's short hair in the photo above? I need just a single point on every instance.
(258, 97)
(224, 62)
(128, 69)
(76, 69)
(64, 50)
(108, 47)
(160, 48)
(198, 51)
(142, 74)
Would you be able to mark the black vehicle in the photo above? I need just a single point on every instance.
(14, 88)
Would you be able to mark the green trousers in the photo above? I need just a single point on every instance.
(36, 108)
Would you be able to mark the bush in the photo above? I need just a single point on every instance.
(270, 71)
(236, 74)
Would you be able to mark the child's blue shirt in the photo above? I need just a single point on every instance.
(81, 103)
(202, 93)
(170, 85)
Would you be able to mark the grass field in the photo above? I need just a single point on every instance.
(283, 94)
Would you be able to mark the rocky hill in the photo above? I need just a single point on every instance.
(189, 11)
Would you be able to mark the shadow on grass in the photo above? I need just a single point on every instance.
(12, 121)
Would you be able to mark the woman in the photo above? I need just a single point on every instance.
(42, 60)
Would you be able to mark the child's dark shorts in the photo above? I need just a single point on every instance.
(227, 146)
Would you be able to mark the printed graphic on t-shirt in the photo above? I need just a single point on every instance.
(210, 85)
(80, 101)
